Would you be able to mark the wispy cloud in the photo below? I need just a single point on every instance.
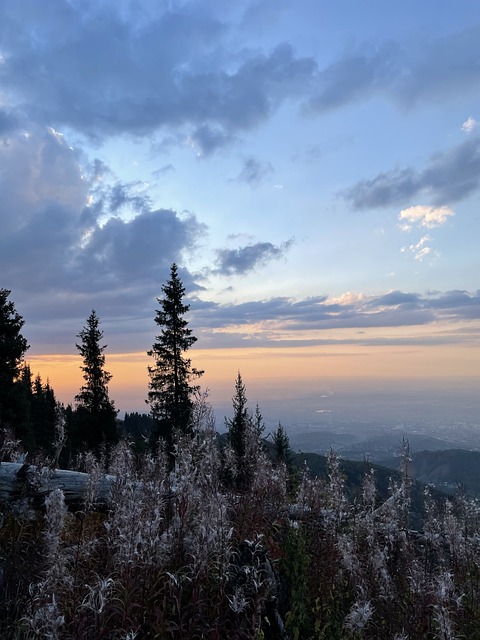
(469, 125)
(424, 71)
(206, 140)
(254, 172)
(420, 249)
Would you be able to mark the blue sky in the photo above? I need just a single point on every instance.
(312, 167)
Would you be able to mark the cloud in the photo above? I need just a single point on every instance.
(423, 216)
(420, 250)
(8, 121)
(440, 68)
(39, 171)
(254, 172)
(260, 15)
(245, 259)
(64, 249)
(418, 70)
(206, 140)
(469, 125)
(166, 168)
(285, 321)
(104, 69)
(356, 75)
(450, 176)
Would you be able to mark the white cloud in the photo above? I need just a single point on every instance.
(424, 216)
(469, 125)
(420, 250)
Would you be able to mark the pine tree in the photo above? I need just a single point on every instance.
(281, 444)
(44, 414)
(171, 387)
(95, 416)
(238, 425)
(12, 350)
(244, 436)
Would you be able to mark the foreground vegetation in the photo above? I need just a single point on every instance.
(183, 552)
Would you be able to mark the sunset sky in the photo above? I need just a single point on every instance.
(312, 167)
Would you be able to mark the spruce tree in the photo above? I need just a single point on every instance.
(95, 416)
(44, 414)
(238, 425)
(171, 388)
(12, 350)
(243, 434)
(281, 444)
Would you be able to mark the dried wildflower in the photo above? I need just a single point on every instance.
(98, 595)
(359, 616)
(238, 602)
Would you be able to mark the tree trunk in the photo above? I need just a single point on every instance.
(19, 481)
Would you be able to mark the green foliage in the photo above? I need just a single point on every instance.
(171, 391)
(295, 569)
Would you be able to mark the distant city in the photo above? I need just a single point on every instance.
(369, 417)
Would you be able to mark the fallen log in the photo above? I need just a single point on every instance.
(18, 481)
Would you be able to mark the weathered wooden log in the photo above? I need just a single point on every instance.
(19, 481)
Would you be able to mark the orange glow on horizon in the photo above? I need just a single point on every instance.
(129, 385)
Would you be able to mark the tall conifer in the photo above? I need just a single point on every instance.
(12, 350)
(171, 388)
(96, 414)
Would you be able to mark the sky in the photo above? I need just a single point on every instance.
(313, 168)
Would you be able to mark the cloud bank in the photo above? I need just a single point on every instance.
(289, 322)
(451, 176)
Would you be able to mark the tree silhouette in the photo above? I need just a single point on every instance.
(238, 425)
(171, 387)
(12, 350)
(95, 417)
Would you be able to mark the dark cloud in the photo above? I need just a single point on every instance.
(103, 69)
(450, 176)
(254, 172)
(385, 189)
(106, 68)
(427, 70)
(122, 195)
(260, 15)
(357, 75)
(8, 122)
(245, 259)
(62, 253)
(264, 323)
(207, 139)
(397, 299)
(120, 253)
(440, 68)
(458, 303)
